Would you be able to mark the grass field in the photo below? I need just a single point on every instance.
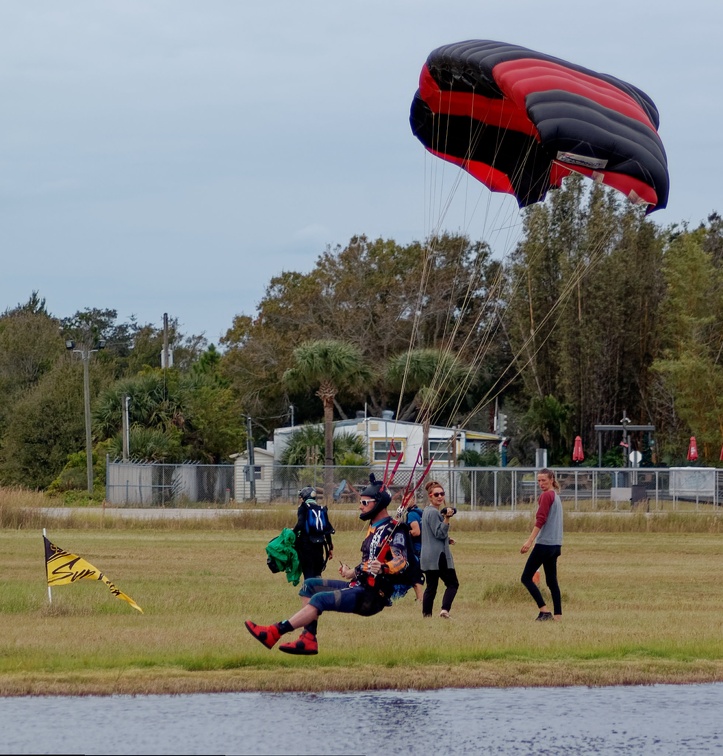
(642, 604)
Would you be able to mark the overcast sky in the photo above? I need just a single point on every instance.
(173, 155)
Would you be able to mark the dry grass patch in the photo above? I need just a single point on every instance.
(639, 607)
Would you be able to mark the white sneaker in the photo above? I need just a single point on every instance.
(444, 614)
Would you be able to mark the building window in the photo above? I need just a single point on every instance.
(441, 450)
(257, 473)
(381, 450)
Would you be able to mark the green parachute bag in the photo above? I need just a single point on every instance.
(281, 556)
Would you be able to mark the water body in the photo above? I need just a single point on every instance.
(659, 719)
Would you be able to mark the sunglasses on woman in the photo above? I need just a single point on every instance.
(438, 494)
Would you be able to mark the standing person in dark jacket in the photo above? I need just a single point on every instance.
(547, 539)
(313, 534)
(414, 522)
(436, 559)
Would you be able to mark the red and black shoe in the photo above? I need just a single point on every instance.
(304, 645)
(266, 634)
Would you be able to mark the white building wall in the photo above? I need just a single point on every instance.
(264, 462)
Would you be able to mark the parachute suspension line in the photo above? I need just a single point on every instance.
(421, 294)
(533, 344)
(475, 133)
(485, 336)
(450, 331)
(574, 278)
(495, 289)
(440, 142)
(445, 205)
(411, 487)
(430, 251)
(572, 283)
(432, 402)
(429, 254)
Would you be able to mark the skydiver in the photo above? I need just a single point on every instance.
(370, 585)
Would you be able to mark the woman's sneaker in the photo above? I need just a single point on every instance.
(544, 616)
(444, 614)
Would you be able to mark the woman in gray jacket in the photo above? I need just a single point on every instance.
(546, 544)
(436, 558)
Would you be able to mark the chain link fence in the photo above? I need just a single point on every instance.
(504, 488)
(150, 484)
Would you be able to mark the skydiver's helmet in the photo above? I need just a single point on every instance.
(308, 492)
(375, 490)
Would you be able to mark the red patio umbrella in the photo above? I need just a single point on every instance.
(721, 454)
(692, 450)
(577, 453)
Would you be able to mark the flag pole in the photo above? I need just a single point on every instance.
(50, 591)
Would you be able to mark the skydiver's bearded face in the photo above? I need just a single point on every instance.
(365, 508)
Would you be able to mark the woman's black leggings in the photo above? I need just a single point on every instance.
(431, 579)
(543, 556)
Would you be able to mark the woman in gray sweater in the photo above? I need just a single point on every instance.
(547, 539)
(436, 558)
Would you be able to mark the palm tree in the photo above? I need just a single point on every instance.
(304, 442)
(547, 421)
(333, 367)
(433, 375)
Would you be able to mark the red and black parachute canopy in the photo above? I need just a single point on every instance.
(520, 121)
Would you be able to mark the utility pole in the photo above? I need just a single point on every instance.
(251, 460)
(165, 356)
(85, 354)
(126, 429)
(625, 422)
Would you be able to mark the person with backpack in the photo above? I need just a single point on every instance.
(313, 533)
(414, 523)
(370, 587)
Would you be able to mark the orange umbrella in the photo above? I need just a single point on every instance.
(577, 453)
(692, 450)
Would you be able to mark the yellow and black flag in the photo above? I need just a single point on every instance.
(63, 567)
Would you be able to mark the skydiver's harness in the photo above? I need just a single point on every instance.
(368, 594)
(374, 543)
(391, 584)
(380, 586)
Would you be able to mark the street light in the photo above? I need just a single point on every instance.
(85, 353)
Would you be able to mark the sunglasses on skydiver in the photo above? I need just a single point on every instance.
(367, 501)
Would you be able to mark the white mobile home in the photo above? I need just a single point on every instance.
(445, 444)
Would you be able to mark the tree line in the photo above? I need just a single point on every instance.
(597, 313)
